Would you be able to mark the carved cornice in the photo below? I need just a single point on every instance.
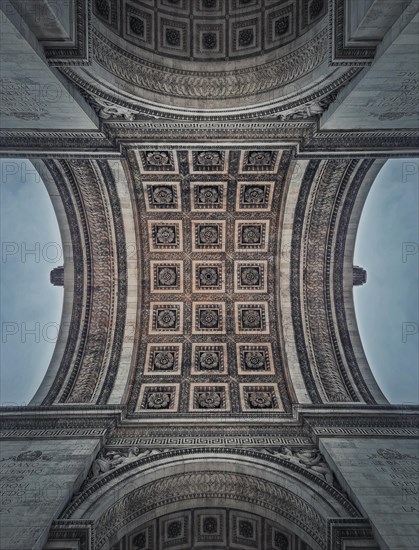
(117, 135)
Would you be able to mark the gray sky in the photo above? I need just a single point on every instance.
(30, 305)
(386, 307)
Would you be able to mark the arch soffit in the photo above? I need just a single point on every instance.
(93, 202)
(271, 484)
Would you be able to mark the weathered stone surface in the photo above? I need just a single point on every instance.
(382, 477)
(38, 478)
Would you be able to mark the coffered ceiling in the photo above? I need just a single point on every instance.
(208, 30)
(208, 233)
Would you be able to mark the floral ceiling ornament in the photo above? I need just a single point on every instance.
(166, 318)
(164, 360)
(158, 400)
(254, 195)
(167, 276)
(209, 158)
(251, 318)
(260, 158)
(209, 400)
(165, 235)
(260, 400)
(208, 318)
(251, 234)
(208, 235)
(250, 276)
(157, 158)
(208, 276)
(209, 360)
(163, 195)
(254, 360)
(208, 195)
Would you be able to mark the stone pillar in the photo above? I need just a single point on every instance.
(38, 478)
(381, 476)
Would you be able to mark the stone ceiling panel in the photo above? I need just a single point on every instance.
(208, 229)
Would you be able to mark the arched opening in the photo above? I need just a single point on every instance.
(386, 305)
(32, 246)
(244, 499)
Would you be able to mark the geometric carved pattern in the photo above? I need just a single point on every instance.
(208, 196)
(210, 30)
(254, 196)
(157, 162)
(219, 529)
(253, 359)
(252, 236)
(245, 530)
(208, 317)
(166, 276)
(208, 236)
(260, 397)
(208, 276)
(162, 196)
(208, 307)
(175, 531)
(164, 360)
(263, 162)
(158, 398)
(209, 397)
(250, 276)
(251, 318)
(165, 236)
(166, 317)
(209, 359)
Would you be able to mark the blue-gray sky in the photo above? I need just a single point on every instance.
(30, 305)
(387, 306)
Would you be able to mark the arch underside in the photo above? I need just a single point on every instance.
(208, 273)
(227, 499)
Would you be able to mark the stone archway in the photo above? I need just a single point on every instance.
(271, 485)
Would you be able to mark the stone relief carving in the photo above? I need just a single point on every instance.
(201, 85)
(309, 110)
(310, 459)
(106, 461)
(107, 110)
(218, 484)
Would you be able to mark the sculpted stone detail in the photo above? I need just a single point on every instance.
(213, 485)
(325, 356)
(107, 461)
(187, 84)
(98, 341)
(309, 459)
(309, 110)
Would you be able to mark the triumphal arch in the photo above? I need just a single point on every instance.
(208, 161)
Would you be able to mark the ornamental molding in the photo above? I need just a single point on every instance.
(305, 428)
(118, 135)
(209, 484)
(339, 53)
(78, 51)
(220, 85)
(100, 295)
(326, 357)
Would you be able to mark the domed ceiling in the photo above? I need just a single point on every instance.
(208, 58)
(209, 30)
